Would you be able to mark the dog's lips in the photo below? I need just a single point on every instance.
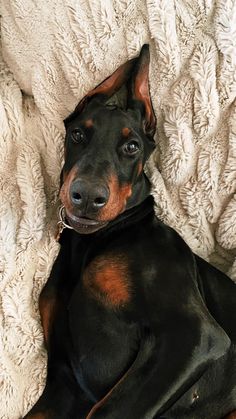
(84, 224)
(83, 220)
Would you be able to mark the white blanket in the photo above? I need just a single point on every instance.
(54, 51)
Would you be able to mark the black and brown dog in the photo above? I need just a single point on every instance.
(136, 325)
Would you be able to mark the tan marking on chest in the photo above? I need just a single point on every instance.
(231, 416)
(107, 279)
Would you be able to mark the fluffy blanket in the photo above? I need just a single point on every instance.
(53, 52)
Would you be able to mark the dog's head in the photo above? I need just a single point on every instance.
(106, 147)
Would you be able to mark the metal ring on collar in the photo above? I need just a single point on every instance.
(62, 216)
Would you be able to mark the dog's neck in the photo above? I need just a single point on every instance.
(129, 217)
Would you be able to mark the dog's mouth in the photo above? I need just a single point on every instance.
(84, 225)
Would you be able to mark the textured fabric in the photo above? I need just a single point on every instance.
(55, 51)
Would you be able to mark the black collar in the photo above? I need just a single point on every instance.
(126, 219)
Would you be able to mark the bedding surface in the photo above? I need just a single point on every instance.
(52, 53)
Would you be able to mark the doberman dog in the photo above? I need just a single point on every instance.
(136, 325)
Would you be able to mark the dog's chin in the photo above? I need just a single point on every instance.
(84, 225)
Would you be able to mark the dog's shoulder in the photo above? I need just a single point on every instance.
(164, 261)
(165, 244)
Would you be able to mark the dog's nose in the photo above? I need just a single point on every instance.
(85, 195)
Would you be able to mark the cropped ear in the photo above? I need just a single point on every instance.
(140, 90)
(105, 89)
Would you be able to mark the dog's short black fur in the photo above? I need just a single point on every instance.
(136, 325)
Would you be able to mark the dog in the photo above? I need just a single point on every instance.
(136, 325)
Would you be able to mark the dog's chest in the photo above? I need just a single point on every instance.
(105, 341)
(108, 279)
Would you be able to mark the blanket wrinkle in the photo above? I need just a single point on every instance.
(54, 52)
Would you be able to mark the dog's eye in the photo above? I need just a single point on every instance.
(131, 148)
(77, 135)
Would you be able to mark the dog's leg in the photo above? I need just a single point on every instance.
(219, 293)
(62, 398)
(162, 371)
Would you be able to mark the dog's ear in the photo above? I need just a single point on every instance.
(139, 91)
(105, 89)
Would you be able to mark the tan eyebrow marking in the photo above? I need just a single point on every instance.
(88, 123)
(126, 132)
